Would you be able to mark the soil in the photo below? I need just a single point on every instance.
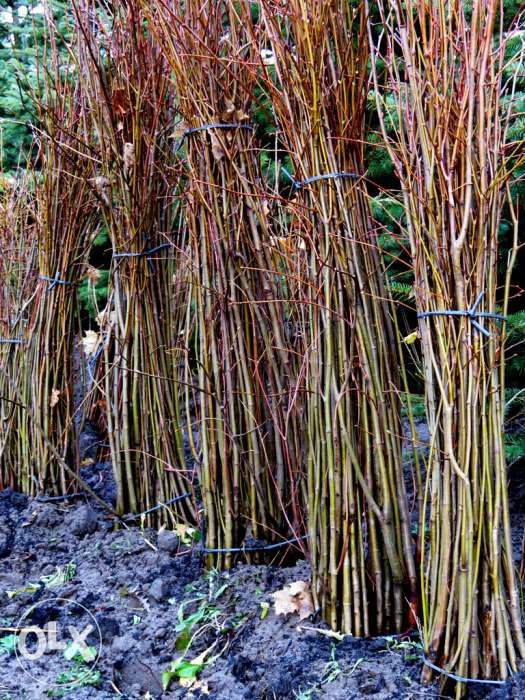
(139, 584)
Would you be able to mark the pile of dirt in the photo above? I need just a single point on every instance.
(150, 598)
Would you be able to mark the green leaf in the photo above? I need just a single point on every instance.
(182, 641)
(181, 669)
(28, 588)
(188, 669)
(61, 575)
(8, 644)
(73, 652)
(187, 623)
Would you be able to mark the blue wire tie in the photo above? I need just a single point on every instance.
(262, 548)
(460, 679)
(144, 253)
(298, 184)
(160, 505)
(471, 313)
(55, 280)
(206, 127)
(13, 341)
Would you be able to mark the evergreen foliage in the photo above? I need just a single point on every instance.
(22, 35)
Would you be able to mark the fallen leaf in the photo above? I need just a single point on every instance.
(55, 397)
(230, 109)
(128, 156)
(105, 317)
(268, 57)
(90, 342)
(216, 147)
(63, 574)
(294, 598)
(93, 274)
(187, 671)
(411, 338)
(241, 115)
(179, 131)
(29, 588)
(326, 633)
(120, 101)
(186, 533)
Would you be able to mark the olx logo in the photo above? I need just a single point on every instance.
(74, 637)
(47, 640)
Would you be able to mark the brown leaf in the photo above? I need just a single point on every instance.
(120, 101)
(216, 147)
(93, 274)
(294, 598)
(268, 57)
(55, 396)
(229, 111)
(179, 131)
(241, 115)
(326, 633)
(128, 156)
(90, 342)
(288, 244)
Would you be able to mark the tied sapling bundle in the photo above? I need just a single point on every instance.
(439, 83)
(17, 287)
(249, 434)
(64, 212)
(126, 81)
(363, 569)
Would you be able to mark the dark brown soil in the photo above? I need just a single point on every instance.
(138, 593)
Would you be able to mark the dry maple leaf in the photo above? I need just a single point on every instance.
(93, 274)
(103, 187)
(55, 396)
(128, 156)
(179, 131)
(216, 147)
(268, 57)
(120, 102)
(229, 111)
(241, 115)
(294, 598)
(90, 342)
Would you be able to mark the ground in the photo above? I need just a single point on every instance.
(151, 597)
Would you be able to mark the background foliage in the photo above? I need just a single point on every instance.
(22, 34)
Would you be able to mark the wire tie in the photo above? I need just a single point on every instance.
(261, 548)
(65, 497)
(460, 679)
(55, 280)
(144, 253)
(13, 341)
(298, 184)
(160, 505)
(471, 313)
(207, 127)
